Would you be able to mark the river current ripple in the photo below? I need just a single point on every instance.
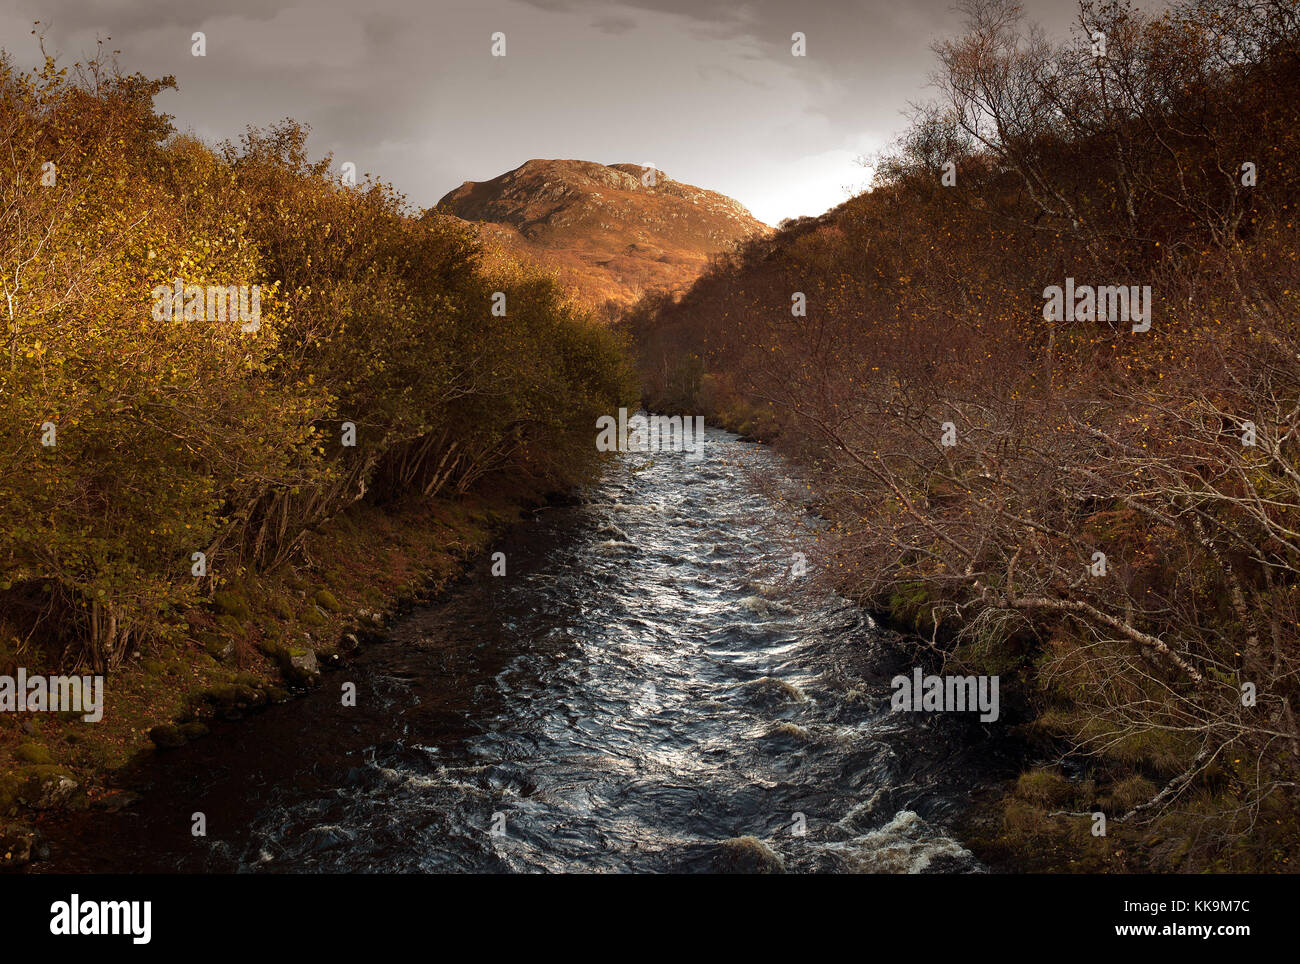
(647, 681)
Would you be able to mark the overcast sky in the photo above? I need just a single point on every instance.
(707, 90)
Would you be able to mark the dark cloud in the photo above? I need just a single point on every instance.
(706, 89)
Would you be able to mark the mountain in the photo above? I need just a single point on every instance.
(613, 231)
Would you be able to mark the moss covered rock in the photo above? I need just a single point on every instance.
(219, 648)
(279, 607)
(117, 800)
(167, 736)
(40, 787)
(298, 664)
(747, 855)
(230, 625)
(237, 695)
(20, 845)
(231, 604)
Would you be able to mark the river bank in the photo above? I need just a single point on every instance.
(260, 641)
(1067, 808)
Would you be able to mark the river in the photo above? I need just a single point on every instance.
(646, 681)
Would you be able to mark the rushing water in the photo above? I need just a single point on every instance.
(645, 682)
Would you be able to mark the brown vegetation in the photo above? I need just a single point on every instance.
(130, 444)
(1173, 451)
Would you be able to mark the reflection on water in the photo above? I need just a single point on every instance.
(646, 682)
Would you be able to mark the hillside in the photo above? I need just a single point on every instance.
(1099, 510)
(613, 233)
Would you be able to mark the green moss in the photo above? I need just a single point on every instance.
(33, 753)
(39, 786)
(231, 604)
(9, 789)
(230, 694)
(230, 625)
(279, 607)
(326, 601)
(298, 664)
(911, 606)
(312, 617)
(218, 647)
